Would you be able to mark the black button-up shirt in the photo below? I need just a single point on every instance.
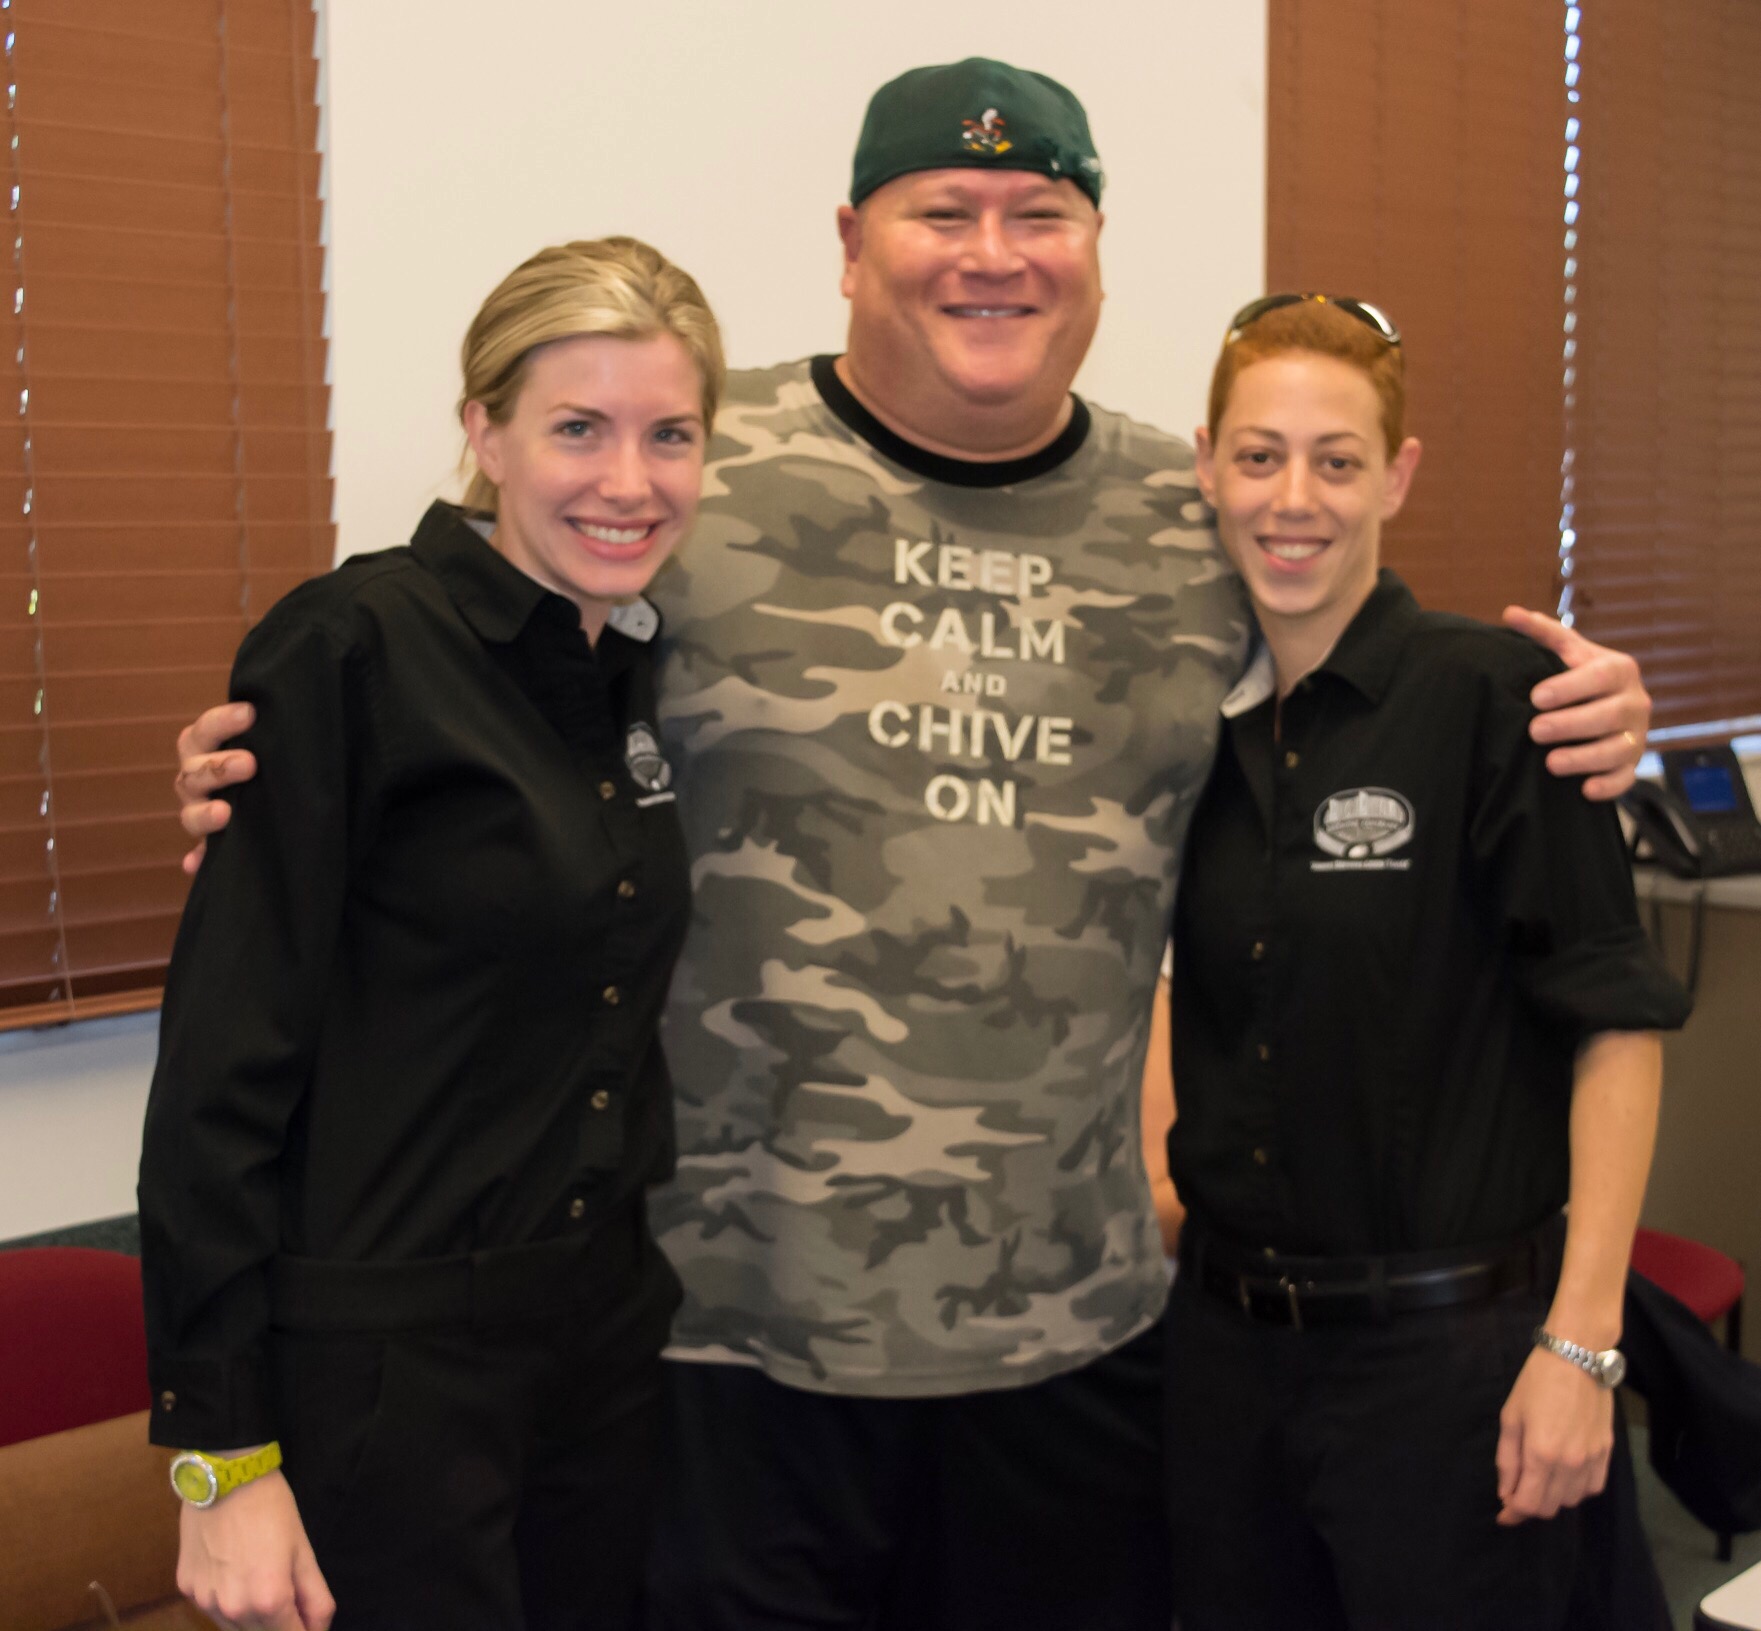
(412, 1008)
(1394, 929)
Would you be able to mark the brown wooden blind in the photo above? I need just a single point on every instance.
(164, 461)
(1414, 158)
(1666, 422)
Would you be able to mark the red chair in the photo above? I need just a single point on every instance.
(1703, 1278)
(75, 1349)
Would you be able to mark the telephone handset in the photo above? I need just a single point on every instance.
(1700, 823)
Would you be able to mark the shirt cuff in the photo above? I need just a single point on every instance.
(209, 1404)
(1615, 982)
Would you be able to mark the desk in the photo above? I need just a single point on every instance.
(1653, 883)
(1734, 1606)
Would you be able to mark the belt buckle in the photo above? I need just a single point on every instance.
(1285, 1284)
(1289, 1288)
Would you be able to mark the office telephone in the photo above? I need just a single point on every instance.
(1700, 823)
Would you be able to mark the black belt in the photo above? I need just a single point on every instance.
(496, 1287)
(1303, 1291)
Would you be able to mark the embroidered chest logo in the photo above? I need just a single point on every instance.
(986, 135)
(1360, 828)
(648, 768)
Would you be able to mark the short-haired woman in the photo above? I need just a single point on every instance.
(1414, 1017)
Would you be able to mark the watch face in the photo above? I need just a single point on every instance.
(1611, 1367)
(194, 1480)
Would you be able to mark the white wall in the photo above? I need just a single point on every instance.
(460, 140)
(722, 130)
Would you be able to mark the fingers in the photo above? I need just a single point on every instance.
(1509, 1457)
(206, 774)
(211, 732)
(1609, 763)
(1548, 1479)
(192, 861)
(1546, 631)
(1601, 698)
(1600, 704)
(311, 1594)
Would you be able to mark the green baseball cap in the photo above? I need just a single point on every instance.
(975, 115)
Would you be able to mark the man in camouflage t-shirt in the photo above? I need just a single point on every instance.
(945, 655)
(943, 665)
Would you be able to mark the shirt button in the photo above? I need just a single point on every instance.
(600, 1099)
(167, 1400)
(1260, 1158)
(577, 1208)
(626, 889)
(1292, 759)
(1259, 950)
(1265, 1052)
(612, 996)
(608, 790)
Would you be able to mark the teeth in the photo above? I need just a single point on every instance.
(611, 535)
(1294, 552)
(989, 311)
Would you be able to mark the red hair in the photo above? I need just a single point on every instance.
(1320, 327)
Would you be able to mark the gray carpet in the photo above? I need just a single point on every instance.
(1685, 1553)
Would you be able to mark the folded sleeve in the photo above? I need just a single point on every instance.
(244, 1000)
(1552, 870)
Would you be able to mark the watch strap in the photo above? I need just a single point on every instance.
(202, 1479)
(1605, 1367)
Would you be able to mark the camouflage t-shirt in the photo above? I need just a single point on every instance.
(937, 745)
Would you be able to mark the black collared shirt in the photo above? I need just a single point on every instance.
(412, 1008)
(1393, 931)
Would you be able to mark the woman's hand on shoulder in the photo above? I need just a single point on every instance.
(1555, 1437)
(246, 1561)
(1599, 707)
(203, 769)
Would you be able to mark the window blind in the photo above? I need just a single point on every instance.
(1666, 416)
(164, 458)
(1414, 159)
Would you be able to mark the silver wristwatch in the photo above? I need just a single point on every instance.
(1606, 1368)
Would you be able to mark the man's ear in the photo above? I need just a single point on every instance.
(850, 234)
(1205, 465)
(1401, 469)
(484, 435)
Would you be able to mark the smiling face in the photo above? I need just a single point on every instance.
(1301, 481)
(974, 295)
(599, 467)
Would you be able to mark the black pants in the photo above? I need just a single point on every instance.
(1344, 1476)
(1031, 1509)
(481, 1476)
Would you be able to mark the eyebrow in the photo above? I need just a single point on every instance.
(1278, 436)
(578, 411)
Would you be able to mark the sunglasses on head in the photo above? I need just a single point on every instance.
(1372, 317)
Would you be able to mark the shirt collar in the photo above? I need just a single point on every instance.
(492, 594)
(1363, 656)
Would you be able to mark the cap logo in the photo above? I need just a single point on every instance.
(986, 135)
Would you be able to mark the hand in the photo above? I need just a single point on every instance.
(246, 1561)
(202, 770)
(1555, 1435)
(1602, 705)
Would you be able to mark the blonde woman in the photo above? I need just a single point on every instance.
(403, 1308)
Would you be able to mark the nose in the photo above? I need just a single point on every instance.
(990, 251)
(623, 476)
(1295, 494)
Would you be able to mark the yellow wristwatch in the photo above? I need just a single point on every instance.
(203, 1479)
